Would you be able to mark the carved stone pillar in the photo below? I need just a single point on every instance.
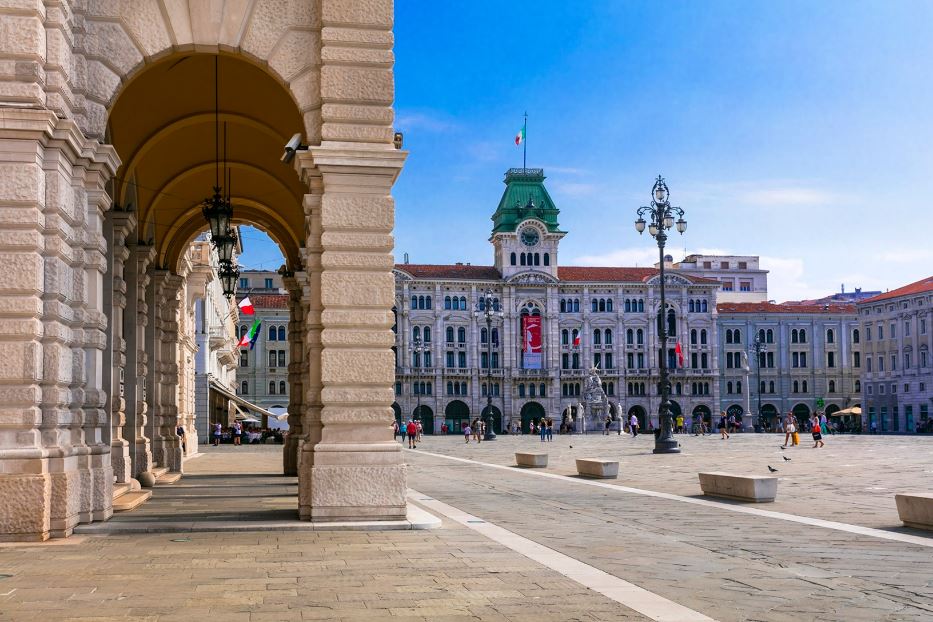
(135, 327)
(122, 225)
(297, 372)
(166, 291)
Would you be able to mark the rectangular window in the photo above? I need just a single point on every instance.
(893, 362)
(880, 363)
(461, 360)
(565, 360)
(708, 264)
(244, 358)
(906, 387)
(770, 360)
(857, 359)
(483, 360)
(796, 359)
(272, 358)
(923, 359)
(868, 364)
(609, 360)
(704, 360)
(870, 389)
(244, 283)
(724, 265)
(906, 360)
(450, 359)
(893, 388)
(881, 389)
(629, 360)
(803, 359)
(743, 265)
(641, 360)
(727, 285)
(924, 412)
(893, 330)
(282, 357)
(868, 333)
(907, 328)
(598, 360)
(398, 388)
(880, 332)
(495, 360)
(268, 283)
(694, 360)
(745, 286)
(830, 359)
(923, 327)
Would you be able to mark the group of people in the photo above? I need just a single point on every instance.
(817, 424)
(411, 431)
(474, 430)
(237, 432)
(543, 427)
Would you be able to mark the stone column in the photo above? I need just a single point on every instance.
(297, 371)
(166, 447)
(136, 321)
(121, 225)
(358, 471)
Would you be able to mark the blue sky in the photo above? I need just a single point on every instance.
(797, 131)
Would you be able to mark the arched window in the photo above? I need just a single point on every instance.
(450, 388)
(597, 336)
(803, 338)
(521, 389)
(450, 334)
(244, 388)
(640, 337)
(512, 259)
(461, 335)
(832, 386)
(602, 305)
(805, 387)
(483, 335)
(628, 306)
(415, 333)
(495, 336)
(793, 336)
(609, 305)
(738, 386)
(523, 259)
(576, 305)
(463, 306)
(608, 337)
(737, 336)
(641, 306)
(281, 333)
(761, 335)
(563, 305)
(447, 298)
(282, 387)
(531, 390)
(858, 386)
(691, 307)
(761, 389)
(541, 391)
(630, 336)
(729, 388)
(770, 335)
(573, 336)
(537, 259)
(429, 302)
(243, 331)
(703, 337)
(855, 336)
(495, 304)
(693, 336)
(547, 259)
(595, 305)
(796, 387)
(427, 334)
(728, 336)
(830, 336)
(771, 386)
(272, 388)
(272, 333)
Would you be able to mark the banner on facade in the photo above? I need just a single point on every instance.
(531, 342)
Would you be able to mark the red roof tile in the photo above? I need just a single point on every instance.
(268, 301)
(623, 275)
(921, 286)
(455, 271)
(769, 307)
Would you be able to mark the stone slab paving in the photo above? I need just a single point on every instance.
(447, 574)
(726, 565)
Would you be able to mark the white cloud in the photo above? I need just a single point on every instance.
(787, 279)
(644, 257)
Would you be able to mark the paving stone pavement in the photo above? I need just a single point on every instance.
(727, 565)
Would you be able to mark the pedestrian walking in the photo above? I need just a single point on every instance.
(542, 427)
(180, 431)
(394, 430)
(550, 429)
(633, 425)
(789, 429)
(412, 431)
(873, 427)
(723, 423)
(418, 429)
(824, 424)
(817, 433)
(680, 424)
(217, 429)
(475, 427)
(467, 431)
(237, 433)
(731, 424)
(608, 423)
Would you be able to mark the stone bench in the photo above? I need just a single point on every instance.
(754, 488)
(598, 467)
(915, 509)
(531, 460)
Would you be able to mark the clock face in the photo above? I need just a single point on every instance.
(529, 236)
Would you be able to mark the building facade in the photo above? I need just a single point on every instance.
(262, 373)
(810, 359)
(740, 276)
(897, 337)
(551, 324)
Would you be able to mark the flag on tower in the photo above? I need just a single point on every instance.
(745, 361)
(246, 307)
(249, 337)
(680, 355)
(520, 137)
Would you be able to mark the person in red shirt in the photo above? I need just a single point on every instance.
(412, 430)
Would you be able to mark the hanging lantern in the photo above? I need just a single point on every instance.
(218, 213)
(228, 274)
(225, 245)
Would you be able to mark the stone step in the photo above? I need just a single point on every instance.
(120, 489)
(131, 500)
(159, 471)
(167, 478)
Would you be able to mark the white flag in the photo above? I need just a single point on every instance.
(745, 361)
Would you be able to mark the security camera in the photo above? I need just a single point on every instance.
(293, 145)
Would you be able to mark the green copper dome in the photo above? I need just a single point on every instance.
(525, 197)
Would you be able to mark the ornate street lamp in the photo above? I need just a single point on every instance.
(759, 348)
(660, 219)
(225, 245)
(419, 347)
(486, 309)
(228, 274)
(218, 213)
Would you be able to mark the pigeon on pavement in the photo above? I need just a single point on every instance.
(786, 459)
(772, 469)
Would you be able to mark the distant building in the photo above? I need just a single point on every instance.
(842, 297)
(262, 372)
(740, 277)
(897, 339)
(811, 362)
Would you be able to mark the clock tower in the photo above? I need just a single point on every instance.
(525, 232)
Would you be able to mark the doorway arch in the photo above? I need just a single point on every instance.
(802, 412)
(531, 411)
(704, 412)
(426, 416)
(457, 416)
(641, 415)
(496, 418)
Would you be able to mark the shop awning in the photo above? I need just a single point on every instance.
(855, 410)
(239, 401)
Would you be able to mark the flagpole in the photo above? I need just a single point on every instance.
(525, 144)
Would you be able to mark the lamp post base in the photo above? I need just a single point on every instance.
(490, 436)
(666, 446)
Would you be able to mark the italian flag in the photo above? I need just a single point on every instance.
(250, 335)
(520, 137)
(246, 307)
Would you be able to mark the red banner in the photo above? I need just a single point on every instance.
(531, 342)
